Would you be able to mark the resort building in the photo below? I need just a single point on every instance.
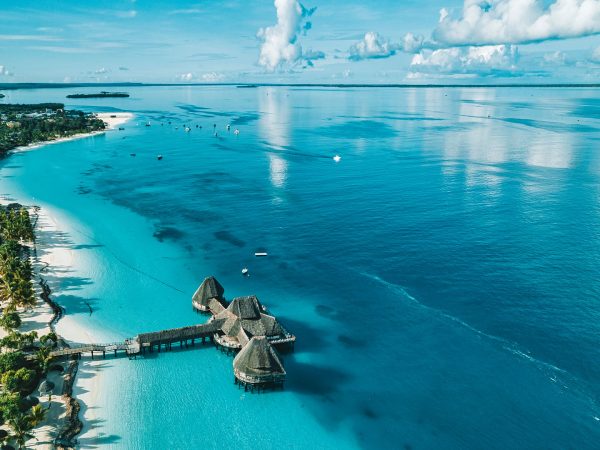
(258, 364)
(209, 296)
(244, 318)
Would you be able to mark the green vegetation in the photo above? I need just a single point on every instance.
(28, 124)
(24, 360)
(102, 94)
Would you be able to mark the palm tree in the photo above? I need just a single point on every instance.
(21, 426)
(37, 415)
(43, 359)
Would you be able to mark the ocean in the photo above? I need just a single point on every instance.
(442, 278)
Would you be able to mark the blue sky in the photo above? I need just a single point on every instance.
(350, 41)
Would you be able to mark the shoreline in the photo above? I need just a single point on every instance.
(110, 121)
(63, 422)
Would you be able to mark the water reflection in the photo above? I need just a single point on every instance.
(274, 128)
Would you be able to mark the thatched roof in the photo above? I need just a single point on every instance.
(209, 289)
(258, 362)
(246, 307)
(46, 387)
(245, 314)
(266, 326)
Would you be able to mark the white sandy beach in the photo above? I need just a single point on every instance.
(112, 121)
(55, 260)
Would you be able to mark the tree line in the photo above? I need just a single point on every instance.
(19, 376)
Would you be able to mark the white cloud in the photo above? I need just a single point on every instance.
(4, 72)
(208, 77)
(28, 37)
(185, 11)
(491, 22)
(372, 46)
(557, 58)
(212, 77)
(496, 60)
(375, 46)
(413, 43)
(312, 55)
(281, 48)
(126, 14)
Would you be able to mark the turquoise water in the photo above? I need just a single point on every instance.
(442, 278)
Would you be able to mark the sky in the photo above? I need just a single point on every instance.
(313, 41)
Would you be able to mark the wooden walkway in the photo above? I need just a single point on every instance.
(144, 342)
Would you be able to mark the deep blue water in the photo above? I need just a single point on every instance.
(442, 278)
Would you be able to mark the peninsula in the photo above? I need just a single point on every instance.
(26, 124)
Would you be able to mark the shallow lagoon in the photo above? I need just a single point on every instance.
(442, 278)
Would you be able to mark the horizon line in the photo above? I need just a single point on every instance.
(34, 85)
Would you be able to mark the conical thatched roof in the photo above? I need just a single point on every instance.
(46, 387)
(209, 289)
(244, 316)
(246, 307)
(258, 362)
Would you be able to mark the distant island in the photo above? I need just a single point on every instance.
(102, 94)
(26, 124)
(1, 95)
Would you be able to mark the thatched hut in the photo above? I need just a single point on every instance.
(209, 296)
(245, 318)
(258, 364)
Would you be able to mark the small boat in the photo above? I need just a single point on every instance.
(147, 124)
(337, 158)
(132, 154)
(245, 271)
(228, 127)
(260, 254)
(121, 128)
(236, 132)
(159, 157)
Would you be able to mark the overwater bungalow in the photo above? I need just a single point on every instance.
(242, 325)
(258, 364)
(209, 296)
(245, 318)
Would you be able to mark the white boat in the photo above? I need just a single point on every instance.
(337, 158)
(260, 254)
(245, 271)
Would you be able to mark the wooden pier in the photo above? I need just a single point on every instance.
(240, 326)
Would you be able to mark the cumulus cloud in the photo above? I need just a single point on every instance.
(489, 22)
(493, 60)
(208, 77)
(372, 46)
(212, 77)
(280, 48)
(375, 46)
(312, 55)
